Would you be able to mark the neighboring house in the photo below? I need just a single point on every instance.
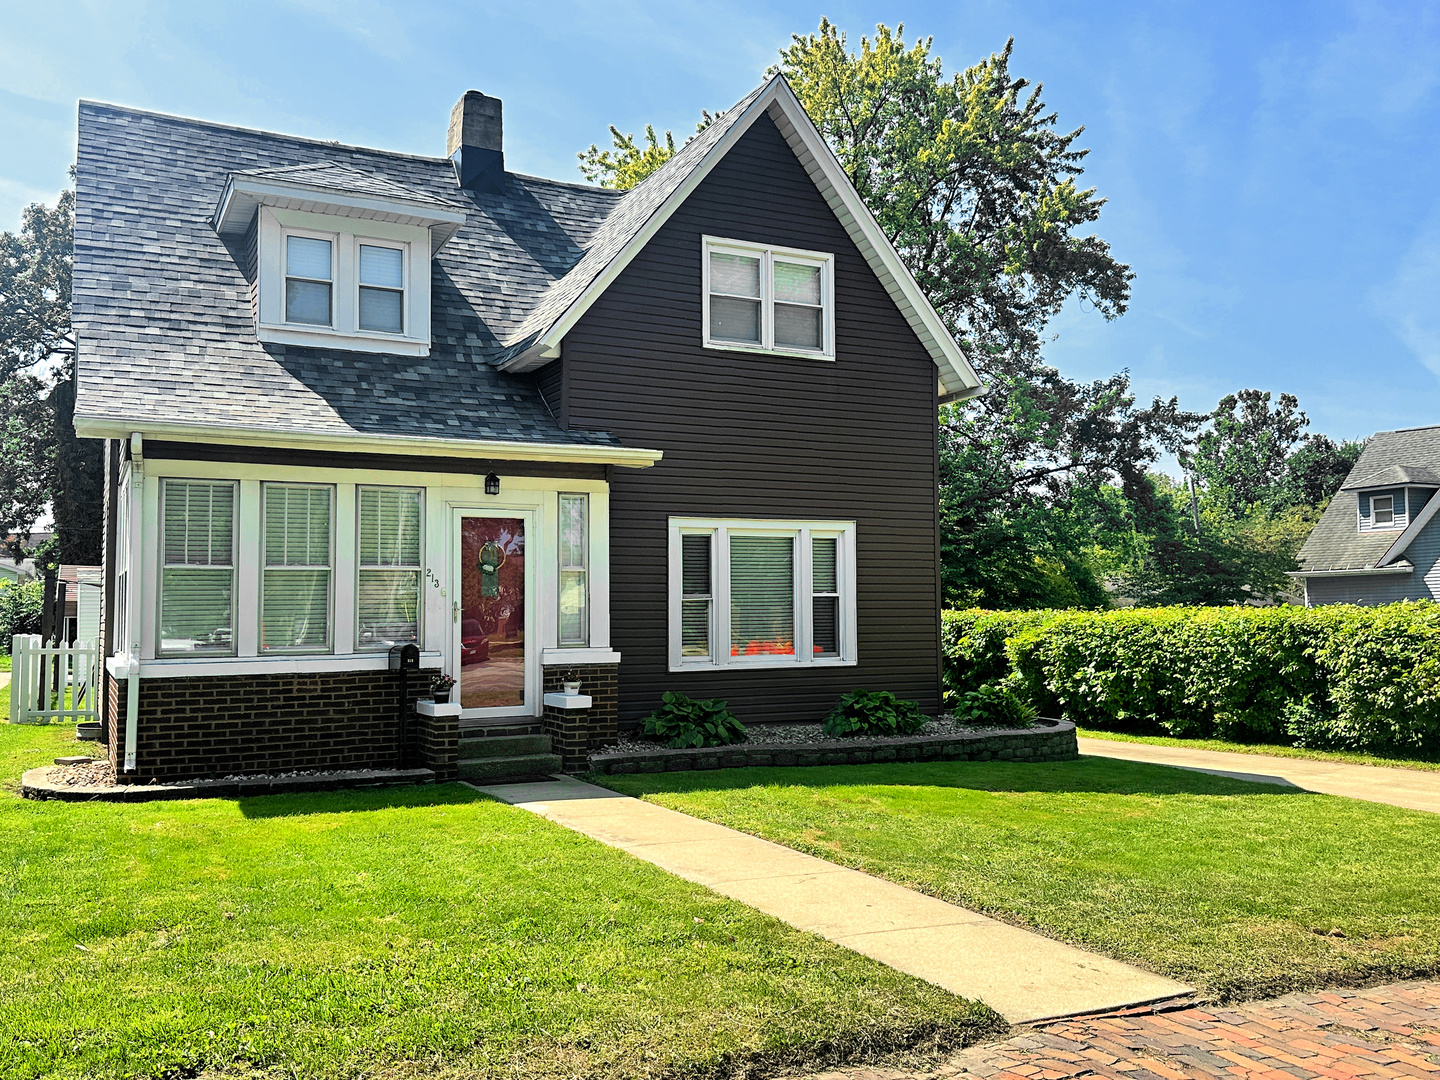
(1377, 541)
(683, 437)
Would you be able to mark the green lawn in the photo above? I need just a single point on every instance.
(413, 931)
(1351, 757)
(1230, 886)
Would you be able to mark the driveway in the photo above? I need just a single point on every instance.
(1387, 1032)
(1414, 789)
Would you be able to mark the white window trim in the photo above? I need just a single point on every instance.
(345, 236)
(767, 256)
(721, 530)
(234, 568)
(360, 567)
(330, 636)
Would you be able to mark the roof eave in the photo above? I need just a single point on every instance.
(243, 195)
(1365, 571)
(111, 427)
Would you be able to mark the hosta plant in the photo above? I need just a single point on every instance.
(684, 723)
(874, 712)
(993, 706)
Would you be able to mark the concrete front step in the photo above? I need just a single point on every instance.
(503, 746)
(510, 768)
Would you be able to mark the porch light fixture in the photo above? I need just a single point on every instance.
(492, 484)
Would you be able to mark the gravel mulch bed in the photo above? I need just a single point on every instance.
(780, 734)
(98, 772)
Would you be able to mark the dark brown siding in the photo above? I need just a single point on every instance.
(764, 437)
(548, 381)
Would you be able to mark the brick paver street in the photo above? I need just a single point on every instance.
(1385, 1032)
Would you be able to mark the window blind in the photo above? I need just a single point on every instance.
(197, 578)
(388, 588)
(695, 594)
(798, 311)
(382, 282)
(574, 570)
(295, 592)
(762, 595)
(825, 596)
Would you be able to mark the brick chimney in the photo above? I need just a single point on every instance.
(476, 143)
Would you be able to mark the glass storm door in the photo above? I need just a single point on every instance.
(491, 615)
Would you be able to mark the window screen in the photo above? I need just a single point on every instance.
(799, 316)
(762, 595)
(295, 591)
(197, 579)
(388, 586)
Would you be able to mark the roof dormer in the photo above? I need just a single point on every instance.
(341, 256)
(1391, 497)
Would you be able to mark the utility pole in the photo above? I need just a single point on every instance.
(1194, 502)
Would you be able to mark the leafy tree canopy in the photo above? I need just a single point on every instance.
(627, 163)
(1241, 458)
(35, 287)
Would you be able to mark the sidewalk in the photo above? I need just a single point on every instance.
(1023, 976)
(1414, 789)
(1385, 1033)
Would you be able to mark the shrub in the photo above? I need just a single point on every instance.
(874, 712)
(20, 604)
(1341, 676)
(684, 723)
(993, 706)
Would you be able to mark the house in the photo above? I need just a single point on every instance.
(1377, 543)
(682, 437)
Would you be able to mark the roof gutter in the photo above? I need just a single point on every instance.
(1364, 572)
(110, 427)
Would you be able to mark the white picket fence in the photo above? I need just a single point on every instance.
(42, 676)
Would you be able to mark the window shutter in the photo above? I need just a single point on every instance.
(762, 595)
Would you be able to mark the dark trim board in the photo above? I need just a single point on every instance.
(330, 459)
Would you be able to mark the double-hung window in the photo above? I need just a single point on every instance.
(769, 299)
(382, 289)
(197, 578)
(574, 570)
(761, 593)
(296, 571)
(388, 566)
(309, 280)
(1382, 510)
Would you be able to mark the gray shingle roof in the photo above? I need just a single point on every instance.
(335, 176)
(162, 307)
(1336, 542)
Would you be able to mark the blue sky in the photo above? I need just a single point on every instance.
(1271, 168)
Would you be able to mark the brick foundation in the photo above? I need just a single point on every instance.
(243, 724)
(575, 732)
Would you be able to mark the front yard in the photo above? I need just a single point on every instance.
(1243, 890)
(397, 933)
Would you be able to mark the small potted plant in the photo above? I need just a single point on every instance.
(440, 687)
(570, 684)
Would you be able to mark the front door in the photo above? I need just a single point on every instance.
(493, 654)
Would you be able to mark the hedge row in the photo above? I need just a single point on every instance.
(1334, 676)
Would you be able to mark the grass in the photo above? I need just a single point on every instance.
(1230, 886)
(1351, 757)
(414, 931)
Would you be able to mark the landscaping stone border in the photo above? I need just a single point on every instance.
(35, 784)
(1048, 740)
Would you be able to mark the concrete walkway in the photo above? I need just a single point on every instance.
(1023, 976)
(1414, 789)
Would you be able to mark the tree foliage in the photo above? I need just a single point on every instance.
(1241, 459)
(627, 162)
(35, 266)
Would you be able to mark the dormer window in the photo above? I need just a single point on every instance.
(1382, 509)
(309, 280)
(340, 257)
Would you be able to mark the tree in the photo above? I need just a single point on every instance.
(1241, 459)
(1314, 472)
(43, 461)
(627, 164)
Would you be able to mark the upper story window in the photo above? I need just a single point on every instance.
(768, 299)
(1382, 509)
(309, 280)
(382, 289)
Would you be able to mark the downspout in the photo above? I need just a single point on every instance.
(136, 590)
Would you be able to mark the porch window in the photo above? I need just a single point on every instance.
(197, 578)
(296, 575)
(771, 593)
(388, 567)
(574, 570)
(768, 299)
